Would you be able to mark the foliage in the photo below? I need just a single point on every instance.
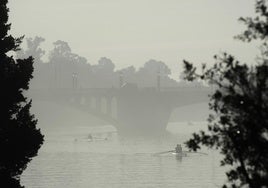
(257, 28)
(238, 126)
(33, 50)
(19, 138)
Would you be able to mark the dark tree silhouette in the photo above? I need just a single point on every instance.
(19, 138)
(239, 125)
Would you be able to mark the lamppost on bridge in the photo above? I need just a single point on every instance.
(121, 81)
(158, 80)
(74, 80)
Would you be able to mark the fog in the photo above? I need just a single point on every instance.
(109, 92)
(129, 98)
(132, 32)
(95, 110)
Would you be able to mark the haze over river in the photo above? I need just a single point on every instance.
(81, 153)
(70, 159)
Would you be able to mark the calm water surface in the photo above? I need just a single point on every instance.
(71, 159)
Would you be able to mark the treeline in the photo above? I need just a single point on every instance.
(65, 69)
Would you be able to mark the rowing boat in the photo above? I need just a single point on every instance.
(183, 153)
(180, 154)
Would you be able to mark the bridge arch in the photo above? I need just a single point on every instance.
(83, 101)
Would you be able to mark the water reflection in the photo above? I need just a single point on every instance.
(178, 158)
(117, 162)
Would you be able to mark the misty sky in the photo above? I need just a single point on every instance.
(130, 32)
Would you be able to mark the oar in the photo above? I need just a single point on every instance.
(159, 153)
(196, 152)
(163, 152)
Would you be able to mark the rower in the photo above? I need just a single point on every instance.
(178, 148)
(90, 138)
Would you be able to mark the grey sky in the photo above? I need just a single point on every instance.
(130, 32)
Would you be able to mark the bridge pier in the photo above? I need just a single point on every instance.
(98, 104)
(109, 106)
(143, 114)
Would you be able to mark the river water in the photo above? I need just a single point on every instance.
(88, 156)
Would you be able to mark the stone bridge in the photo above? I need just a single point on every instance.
(130, 109)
